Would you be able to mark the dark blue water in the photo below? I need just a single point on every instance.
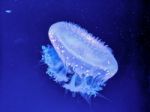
(24, 24)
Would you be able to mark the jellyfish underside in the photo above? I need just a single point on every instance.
(85, 85)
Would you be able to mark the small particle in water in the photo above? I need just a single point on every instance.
(8, 11)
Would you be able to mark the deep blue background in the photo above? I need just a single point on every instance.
(24, 85)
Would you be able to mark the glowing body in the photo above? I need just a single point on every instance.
(78, 53)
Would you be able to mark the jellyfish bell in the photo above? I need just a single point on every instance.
(78, 52)
(84, 50)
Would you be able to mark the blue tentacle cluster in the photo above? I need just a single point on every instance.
(56, 69)
(85, 85)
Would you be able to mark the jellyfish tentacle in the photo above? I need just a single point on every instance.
(56, 68)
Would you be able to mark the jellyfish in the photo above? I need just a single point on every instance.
(77, 60)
